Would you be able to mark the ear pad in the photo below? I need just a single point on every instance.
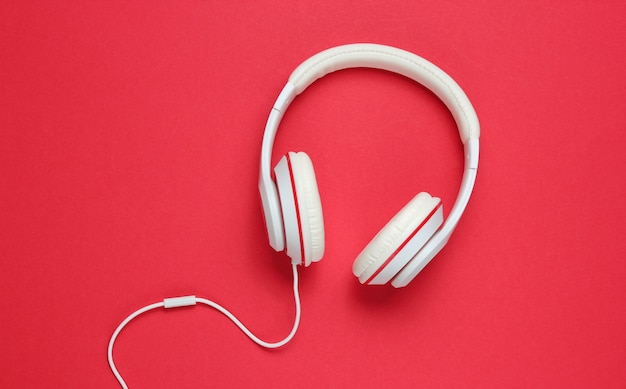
(302, 208)
(398, 242)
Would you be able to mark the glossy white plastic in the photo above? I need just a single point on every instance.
(393, 60)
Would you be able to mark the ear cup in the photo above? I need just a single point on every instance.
(310, 205)
(302, 208)
(398, 242)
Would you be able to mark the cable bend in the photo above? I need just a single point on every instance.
(192, 300)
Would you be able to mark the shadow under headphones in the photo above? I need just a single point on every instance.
(292, 206)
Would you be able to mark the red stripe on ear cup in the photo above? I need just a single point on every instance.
(295, 197)
(406, 241)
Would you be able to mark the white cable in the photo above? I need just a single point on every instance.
(192, 300)
(117, 332)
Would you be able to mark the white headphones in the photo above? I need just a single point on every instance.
(292, 206)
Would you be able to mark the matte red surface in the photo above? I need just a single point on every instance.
(130, 135)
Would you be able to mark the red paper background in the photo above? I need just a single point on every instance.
(130, 136)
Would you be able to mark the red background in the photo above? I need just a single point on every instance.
(130, 136)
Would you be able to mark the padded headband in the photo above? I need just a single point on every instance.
(398, 61)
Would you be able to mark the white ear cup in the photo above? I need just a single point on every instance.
(302, 208)
(394, 246)
(310, 205)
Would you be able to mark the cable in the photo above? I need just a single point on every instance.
(175, 302)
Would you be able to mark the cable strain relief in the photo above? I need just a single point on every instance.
(183, 301)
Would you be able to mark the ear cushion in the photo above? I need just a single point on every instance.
(309, 206)
(396, 233)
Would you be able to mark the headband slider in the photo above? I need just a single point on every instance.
(285, 98)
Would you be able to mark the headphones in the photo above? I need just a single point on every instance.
(292, 206)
